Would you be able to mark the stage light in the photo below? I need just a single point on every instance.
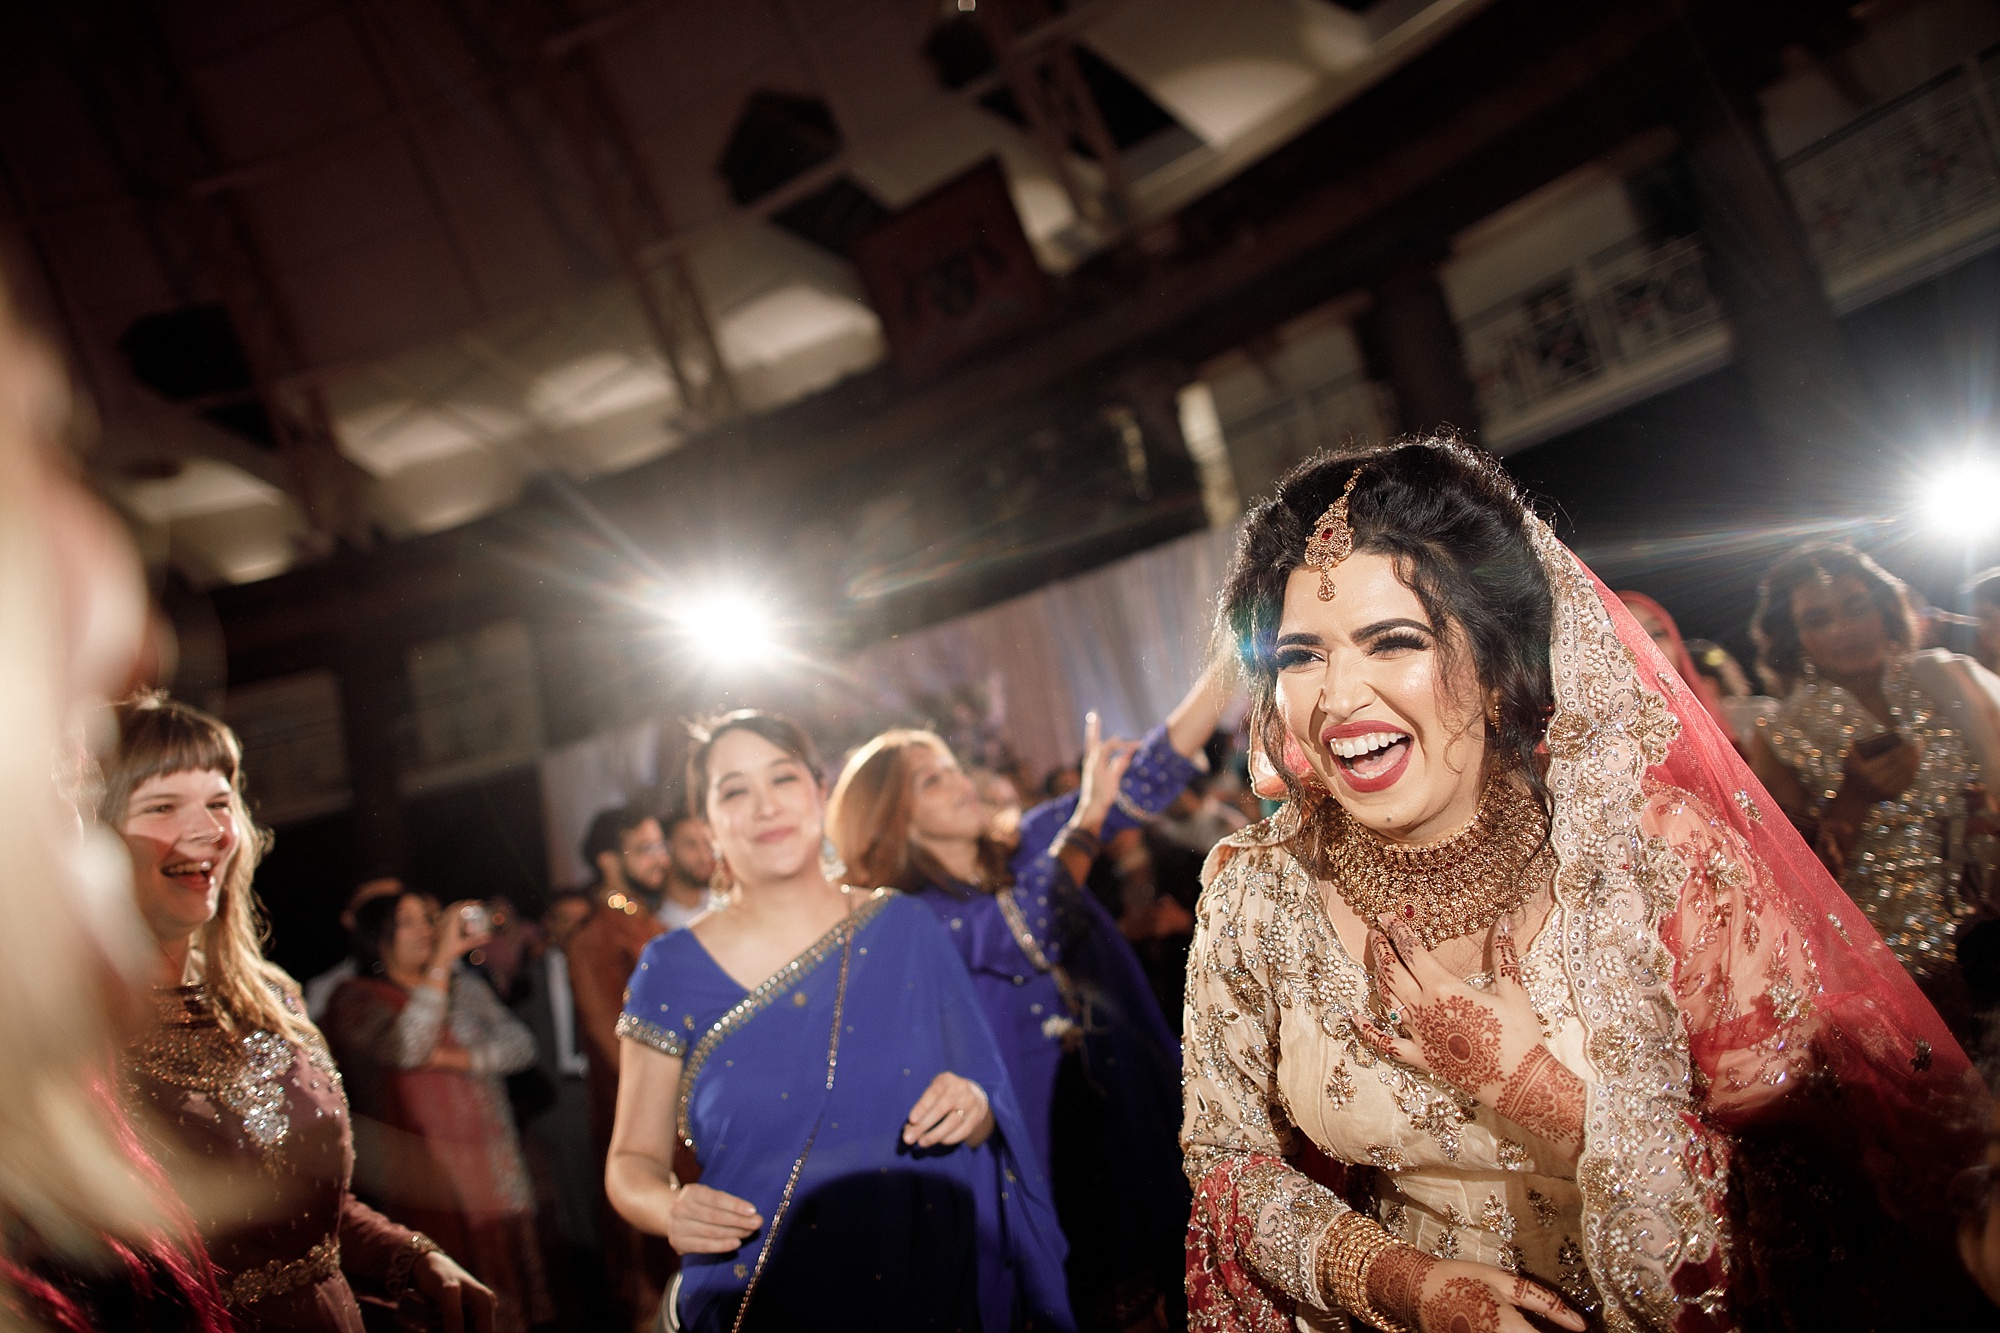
(1962, 501)
(728, 626)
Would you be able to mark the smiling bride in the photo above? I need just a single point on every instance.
(1528, 1004)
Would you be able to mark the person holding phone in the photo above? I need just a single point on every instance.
(1873, 766)
(424, 1045)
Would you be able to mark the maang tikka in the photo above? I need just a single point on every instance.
(1332, 539)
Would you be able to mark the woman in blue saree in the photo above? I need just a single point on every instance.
(815, 1054)
(1090, 1056)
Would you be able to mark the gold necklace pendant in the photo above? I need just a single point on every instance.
(1451, 888)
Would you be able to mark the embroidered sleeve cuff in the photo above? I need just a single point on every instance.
(1158, 774)
(664, 1040)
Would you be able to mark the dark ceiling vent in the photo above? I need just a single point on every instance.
(833, 217)
(777, 138)
(193, 355)
(958, 51)
(958, 54)
(780, 137)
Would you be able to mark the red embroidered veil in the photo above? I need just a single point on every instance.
(1805, 1051)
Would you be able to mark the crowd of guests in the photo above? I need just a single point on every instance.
(1511, 961)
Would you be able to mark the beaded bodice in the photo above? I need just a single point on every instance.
(254, 1129)
(1904, 868)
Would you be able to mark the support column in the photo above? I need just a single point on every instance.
(1417, 341)
(1807, 389)
(370, 696)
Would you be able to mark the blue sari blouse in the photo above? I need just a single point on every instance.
(878, 1234)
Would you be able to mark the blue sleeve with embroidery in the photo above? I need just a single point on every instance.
(652, 1014)
(1158, 773)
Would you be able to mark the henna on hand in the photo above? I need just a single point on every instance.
(1396, 1281)
(1460, 1039)
(1506, 960)
(1544, 1098)
(1462, 1305)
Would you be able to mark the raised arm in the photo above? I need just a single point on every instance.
(1195, 717)
(503, 1043)
(400, 1038)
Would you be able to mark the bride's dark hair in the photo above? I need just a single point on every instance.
(1455, 527)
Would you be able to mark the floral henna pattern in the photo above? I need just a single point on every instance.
(1544, 1098)
(1462, 1305)
(1396, 1281)
(1461, 1041)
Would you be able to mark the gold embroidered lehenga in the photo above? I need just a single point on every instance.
(1745, 1039)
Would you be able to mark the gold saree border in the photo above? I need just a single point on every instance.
(760, 998)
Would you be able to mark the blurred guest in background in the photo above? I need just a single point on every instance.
(1982, 599)
(1088, 1052)
(92, 1239)
(1666, 636)
(631, 857)
(1742, 707)
(816, 1052)
(1864, 759)
(555, 1136)
(237, 1084)
(684, 891)
(319, 991)
(424, 1044)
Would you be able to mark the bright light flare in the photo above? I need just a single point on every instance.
(728, 627)
(1962, 501)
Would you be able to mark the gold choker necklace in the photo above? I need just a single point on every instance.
(1443, 890)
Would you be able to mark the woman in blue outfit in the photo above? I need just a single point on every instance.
(814, 1055)
(1095, 1066)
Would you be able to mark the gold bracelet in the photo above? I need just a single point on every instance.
(1351, 1243)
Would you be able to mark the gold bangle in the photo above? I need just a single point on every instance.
(1351, 1243)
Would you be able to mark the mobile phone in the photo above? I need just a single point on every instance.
(1873, 746)
(478, 921)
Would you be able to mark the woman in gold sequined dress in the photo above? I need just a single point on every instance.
(1522, 1006)
(1873, 768)
(233, 1082)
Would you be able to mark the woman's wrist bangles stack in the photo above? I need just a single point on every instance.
(1352, 1245)
(1082, 840)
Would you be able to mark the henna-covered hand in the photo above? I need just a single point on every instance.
(1485, 1044)
(1477, 1298)
(1544, 1098)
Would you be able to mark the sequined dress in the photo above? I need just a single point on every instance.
(254, 1132)
(1906, 862)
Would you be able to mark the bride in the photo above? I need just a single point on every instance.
(1529, 1002)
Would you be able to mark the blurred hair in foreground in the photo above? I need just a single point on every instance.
(74, 1186)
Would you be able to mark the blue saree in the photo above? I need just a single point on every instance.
(1093, 1063)
(878, 1235)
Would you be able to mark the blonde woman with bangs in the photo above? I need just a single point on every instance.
(232, 1078)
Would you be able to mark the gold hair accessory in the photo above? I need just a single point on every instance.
(1332, 539)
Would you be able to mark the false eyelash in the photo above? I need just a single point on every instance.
(1392, 641)
(1285, 658)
